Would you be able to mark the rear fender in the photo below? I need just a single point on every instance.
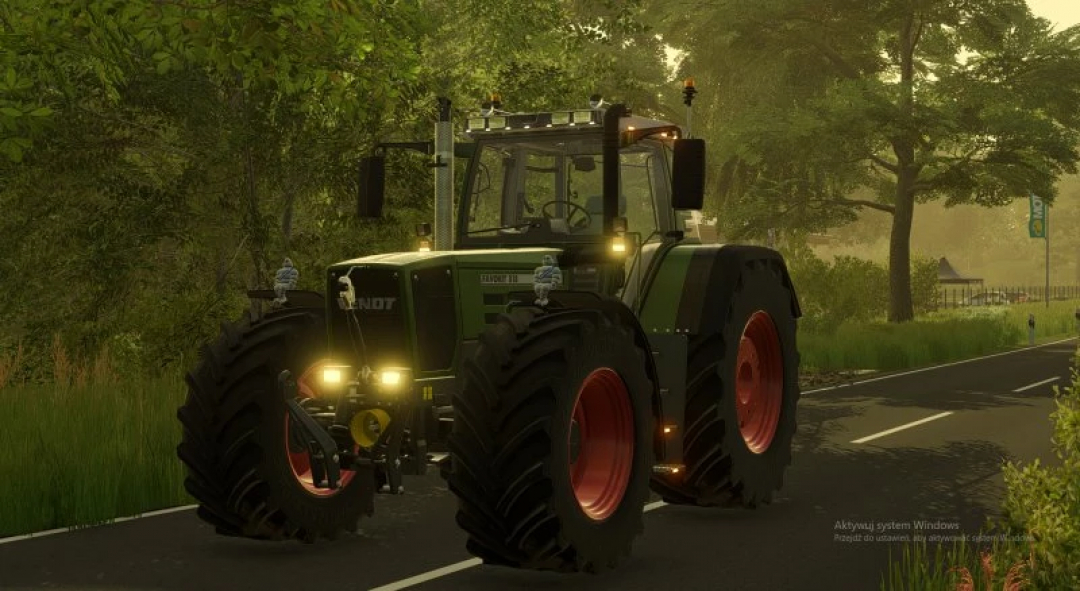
(695, 284)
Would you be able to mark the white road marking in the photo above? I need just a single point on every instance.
(62, 530)
(902, 427)
(460, 566)
(933, 367)
(430, 575)
(1037, 384)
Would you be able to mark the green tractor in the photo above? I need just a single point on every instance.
(573, 351)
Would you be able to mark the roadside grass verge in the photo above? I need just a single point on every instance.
(940, 337)
(88, 448)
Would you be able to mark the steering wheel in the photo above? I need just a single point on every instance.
(575, 208)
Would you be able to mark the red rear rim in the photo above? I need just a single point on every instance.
(605, 426)
(759, 382)
(300, 463)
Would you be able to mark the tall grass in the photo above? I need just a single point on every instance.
(962, 566)
(87, 448)
(935, 338)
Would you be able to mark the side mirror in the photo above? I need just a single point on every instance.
(369, 200)
(464, 150)
(688, 174)
(584, 163)
(423, 230)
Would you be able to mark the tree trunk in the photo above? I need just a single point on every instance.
(900, 305)
(255, 222)
(250, 191)
(907, 173)
(287, 217)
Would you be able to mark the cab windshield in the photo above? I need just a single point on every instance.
(519, 182)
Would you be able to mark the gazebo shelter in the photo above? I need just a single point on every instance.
(950, 276)
(962, 288)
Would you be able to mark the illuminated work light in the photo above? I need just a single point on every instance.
(392, 379)
(425, 246)
(334, 375)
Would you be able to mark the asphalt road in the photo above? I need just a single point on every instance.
(943, 469)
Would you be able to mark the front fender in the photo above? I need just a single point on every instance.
(299, 298)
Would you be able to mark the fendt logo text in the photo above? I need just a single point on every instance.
(377, 304)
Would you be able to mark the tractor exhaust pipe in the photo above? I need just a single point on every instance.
(444, 178)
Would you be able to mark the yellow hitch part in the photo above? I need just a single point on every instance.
(366, 426)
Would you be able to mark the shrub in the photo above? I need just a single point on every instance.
(853, 289)
(1044, 501)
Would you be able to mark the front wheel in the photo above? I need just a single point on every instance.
(246, 463)
(551, 445)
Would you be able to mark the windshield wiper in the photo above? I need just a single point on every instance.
(510, 227)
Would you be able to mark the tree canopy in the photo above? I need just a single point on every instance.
(159, 157)
(829, 106)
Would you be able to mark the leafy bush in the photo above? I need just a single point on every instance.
(1044, 501)
(853, 289)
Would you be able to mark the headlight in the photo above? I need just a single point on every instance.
(618, 245)
(334, 375)
(391, 380)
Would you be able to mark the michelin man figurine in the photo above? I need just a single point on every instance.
(546, 278)
(284, 280)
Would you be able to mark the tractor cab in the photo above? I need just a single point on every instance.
(534, 182)
(538, 180)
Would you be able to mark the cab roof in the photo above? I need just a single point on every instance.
(503, 124)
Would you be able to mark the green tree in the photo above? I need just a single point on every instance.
(966, 101)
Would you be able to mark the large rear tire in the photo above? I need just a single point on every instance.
(551, 444)
(741, 398)
(250, 477)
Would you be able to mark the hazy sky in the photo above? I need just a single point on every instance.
(1063, 13)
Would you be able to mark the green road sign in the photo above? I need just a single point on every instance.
(1037, 221)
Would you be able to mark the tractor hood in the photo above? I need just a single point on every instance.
(462, 258)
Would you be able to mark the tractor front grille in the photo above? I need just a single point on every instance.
(435, 317)
(380, 315)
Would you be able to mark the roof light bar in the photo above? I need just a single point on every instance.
(505, 122)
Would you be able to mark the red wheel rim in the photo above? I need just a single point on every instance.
(759, 382)
(299, 463)
(605, 424)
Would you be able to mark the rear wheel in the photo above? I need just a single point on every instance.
(246, 463)
(742, 392)
(551, 442)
